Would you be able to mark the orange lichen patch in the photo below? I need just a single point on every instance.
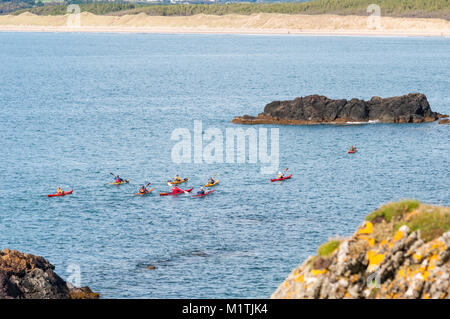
(398, 235)
(317, 272)
(285, 283)
(383, 242)
(437, 244)
(431, 261)
(372, 242)
(426, 296)
(425, 275)
(401, 273)
(300, 278)
(374, 259)
(354, 278)
(367, 229)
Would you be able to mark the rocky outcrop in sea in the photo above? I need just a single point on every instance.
(402, 250)
(25, 276)
(317, 109)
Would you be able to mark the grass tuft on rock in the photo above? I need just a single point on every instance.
(391, 210)
(327, 248)
(432, 221)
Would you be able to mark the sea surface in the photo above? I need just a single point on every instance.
(76, 107)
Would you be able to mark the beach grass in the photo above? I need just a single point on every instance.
(396, 8)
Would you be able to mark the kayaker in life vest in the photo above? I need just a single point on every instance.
(211, 181)
(352, 148)
(176, 190)
(177, 178)
(143, 189)
(59, 190)
(201, 191)
(118, 179)
(280, 174)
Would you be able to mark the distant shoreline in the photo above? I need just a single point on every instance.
(264, 24)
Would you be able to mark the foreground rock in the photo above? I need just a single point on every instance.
(25, 276)
(444, 121)
(383, 259)
(317, 109)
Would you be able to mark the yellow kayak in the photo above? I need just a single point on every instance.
(177, 182)
(211, 185)
(115, 183)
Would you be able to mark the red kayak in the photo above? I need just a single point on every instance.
(201, 195)
(177, 193)
(351, 152)
(62, 194)
(281, 179)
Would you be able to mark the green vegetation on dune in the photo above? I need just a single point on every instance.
(402, 8)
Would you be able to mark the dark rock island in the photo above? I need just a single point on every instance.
(25, 276)
(317, 109)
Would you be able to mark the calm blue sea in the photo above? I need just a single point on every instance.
(75, 107)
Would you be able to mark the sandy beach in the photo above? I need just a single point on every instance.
(228, 24)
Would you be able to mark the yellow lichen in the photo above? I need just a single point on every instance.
(374, 259)
(300, 278)
(317, 272)
(398, 235)
(367, 229)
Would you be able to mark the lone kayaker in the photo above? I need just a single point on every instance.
(352, 148)
(59, 190)
(211, 181)
(201, 191)
(280, 174)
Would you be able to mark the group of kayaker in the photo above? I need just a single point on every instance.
(175, 189)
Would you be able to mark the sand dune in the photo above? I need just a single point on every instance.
(263, 23)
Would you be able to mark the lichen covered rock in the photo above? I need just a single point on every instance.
(25, 276)
(402, 250)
